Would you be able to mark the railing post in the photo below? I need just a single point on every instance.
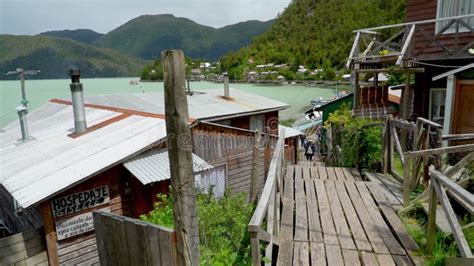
(255, 245)
(387, 157)
(406, 179)
(431, 230)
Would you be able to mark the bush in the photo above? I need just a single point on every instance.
(222, 226)
(361, 145)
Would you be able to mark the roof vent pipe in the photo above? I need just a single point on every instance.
(22, 111)
(226, 85)
(77, 94)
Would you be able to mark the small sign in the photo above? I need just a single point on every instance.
(80, 201)
(76, 225)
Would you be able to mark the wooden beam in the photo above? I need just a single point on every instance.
(406, 45)
(180, 157)
(390, 70)
(254, 172)
(451, 185)
(51, 239)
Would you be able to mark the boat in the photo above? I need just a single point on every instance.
(133, 82)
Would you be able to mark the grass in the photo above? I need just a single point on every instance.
(415, 222)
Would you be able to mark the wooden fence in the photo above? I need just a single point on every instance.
(440, 183)
(126, 241)
(27, 248)
(267, 212)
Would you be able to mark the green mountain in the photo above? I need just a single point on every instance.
(314, 33)
(55, 56)
(80, 35)
(146, 36)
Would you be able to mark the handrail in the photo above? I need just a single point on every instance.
(267, 205)
(451, 149)
(437, 192)
(428, 21)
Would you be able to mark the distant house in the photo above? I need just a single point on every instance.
(120, 163)
(435, 49)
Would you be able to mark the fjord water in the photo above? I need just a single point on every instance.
(39, 92)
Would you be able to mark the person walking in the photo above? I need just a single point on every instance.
(309, 151)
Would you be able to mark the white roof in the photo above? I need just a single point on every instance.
(381, 77)
(208, 105)
(454, 71)
(53, 161)
(153, 166)
(289, 131)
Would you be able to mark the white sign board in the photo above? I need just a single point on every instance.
(80, 201)
(76, 225)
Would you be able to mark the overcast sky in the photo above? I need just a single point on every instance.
(34, 16)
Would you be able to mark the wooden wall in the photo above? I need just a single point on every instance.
(28, 219)
(83, 248)
(27, 248)
(427, 9)
(217, 144)
(126, 241)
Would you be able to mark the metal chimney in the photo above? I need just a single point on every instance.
(77, 94)
(226, 85)
(22, 111)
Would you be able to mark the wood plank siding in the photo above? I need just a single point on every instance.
(424, 49)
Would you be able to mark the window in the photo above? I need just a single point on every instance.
(452, 8)
(437, 105)
(256, 122)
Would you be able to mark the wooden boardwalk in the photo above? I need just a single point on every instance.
(330, 216)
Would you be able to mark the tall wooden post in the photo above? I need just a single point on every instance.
(387, 147)
(431, 227)
(50, 233)
(254, 173)
(180, 157)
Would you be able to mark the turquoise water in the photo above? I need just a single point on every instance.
(39, 92)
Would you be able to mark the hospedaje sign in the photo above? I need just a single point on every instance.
(77, 203)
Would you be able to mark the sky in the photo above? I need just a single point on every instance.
(29, 17)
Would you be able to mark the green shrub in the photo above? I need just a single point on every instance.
(361, 145)
(222, 226)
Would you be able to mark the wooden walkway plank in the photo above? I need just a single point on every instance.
(339, 173)
(314, 224)
(322, 172)
(334, 256)
(329, 232)
(314, 173)
(385, 260)
(369, 220)
(382, 228)
(332, 173)
(340, 223)
(369, 259)
(285, 253)
(402, 261)
(358, 233)
(301, 254)
(318, 254)
(356, 174)
(301, 216)
(351, 257)
(348, 174)
(382, 194)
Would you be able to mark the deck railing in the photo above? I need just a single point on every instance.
(264, 225)
(396, 43)
(440, 183)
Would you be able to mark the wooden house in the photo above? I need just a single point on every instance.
(437, 38)
(119, 162)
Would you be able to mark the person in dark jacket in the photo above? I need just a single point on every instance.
(309, 150)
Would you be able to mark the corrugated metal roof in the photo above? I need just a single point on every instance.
(289, 131)
(52, 162)
(153, 166)
(206, 105)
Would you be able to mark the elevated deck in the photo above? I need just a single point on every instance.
(330, 216)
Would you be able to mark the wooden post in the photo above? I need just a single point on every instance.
(254, 174)
(406, 180)
(180, 157)
(431, 229)
(51, 240)
(387, 147)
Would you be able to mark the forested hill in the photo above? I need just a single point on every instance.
(146, 36)
(55, 56)
(80, 35)
(314, 33)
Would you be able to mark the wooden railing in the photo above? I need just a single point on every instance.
(373, 45)
(440, 183)
(264, 225)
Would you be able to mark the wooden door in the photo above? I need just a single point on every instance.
(463, 115)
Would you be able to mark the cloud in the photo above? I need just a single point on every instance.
(34, 16)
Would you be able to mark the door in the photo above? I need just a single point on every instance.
(463, 115)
